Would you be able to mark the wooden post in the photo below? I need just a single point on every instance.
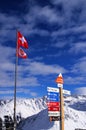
(59, 81)
(61, 109)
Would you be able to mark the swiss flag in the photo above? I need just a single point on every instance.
(21, 53)
(21, 41)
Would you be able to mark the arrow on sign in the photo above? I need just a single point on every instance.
(50, 89)
(66, 92)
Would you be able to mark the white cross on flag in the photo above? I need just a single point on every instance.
(21, 42)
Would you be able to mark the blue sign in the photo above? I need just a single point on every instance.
(52, 96)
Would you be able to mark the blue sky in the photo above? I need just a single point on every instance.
(56, 34)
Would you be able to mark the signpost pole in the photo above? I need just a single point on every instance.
(56, 108)
(59, 81)
(61, 109)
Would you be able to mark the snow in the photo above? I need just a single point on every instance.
(24, 107)
(35, 114)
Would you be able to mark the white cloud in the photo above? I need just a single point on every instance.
(59, 44)
(78, 48)
(46, 14)
(78, 72)
(68, 7)
(71, 30)
(80, 66)
(28, 70)
(7, 70)
(74, 80)
(50, 15)
(6, 92)
(33, 94)
(70, 3)
(26, 91)
(27, 81)
(37, 14)
(39, 68)
(80, 91)
(19, 91)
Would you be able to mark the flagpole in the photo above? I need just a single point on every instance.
(16, 64)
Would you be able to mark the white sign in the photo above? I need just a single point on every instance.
(60, 85)
(53, 113)
(51, 89)
(66, 92)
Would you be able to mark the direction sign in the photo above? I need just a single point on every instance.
(53, 104)
(50, 99)
(53, 108)
(51, 89)
(53, 113)
(57, 90)
(52, 96)
(66, 92)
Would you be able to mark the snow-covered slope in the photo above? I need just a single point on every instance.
(35, 112)
(75, 112)
(24, 107)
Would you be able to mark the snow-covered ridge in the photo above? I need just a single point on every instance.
(24, 107)
(36, 117)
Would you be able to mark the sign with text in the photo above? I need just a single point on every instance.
(51, 89)
(55, 104)
(66, 92)
(53, 101)
(53, 108)
(52, 96)
(53, 113)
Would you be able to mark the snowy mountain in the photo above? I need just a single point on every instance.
(36, 117)
(24, 107)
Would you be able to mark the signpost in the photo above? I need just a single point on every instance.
(53, 103)
(56, 107)
(59, 81)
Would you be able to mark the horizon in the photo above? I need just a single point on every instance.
(56, 35)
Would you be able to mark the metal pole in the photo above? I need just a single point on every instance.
(15, 87)
(61, 109)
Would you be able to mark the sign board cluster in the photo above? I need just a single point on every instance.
(53, 102)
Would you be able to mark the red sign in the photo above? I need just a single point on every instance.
(53, 104)
(53, 108)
